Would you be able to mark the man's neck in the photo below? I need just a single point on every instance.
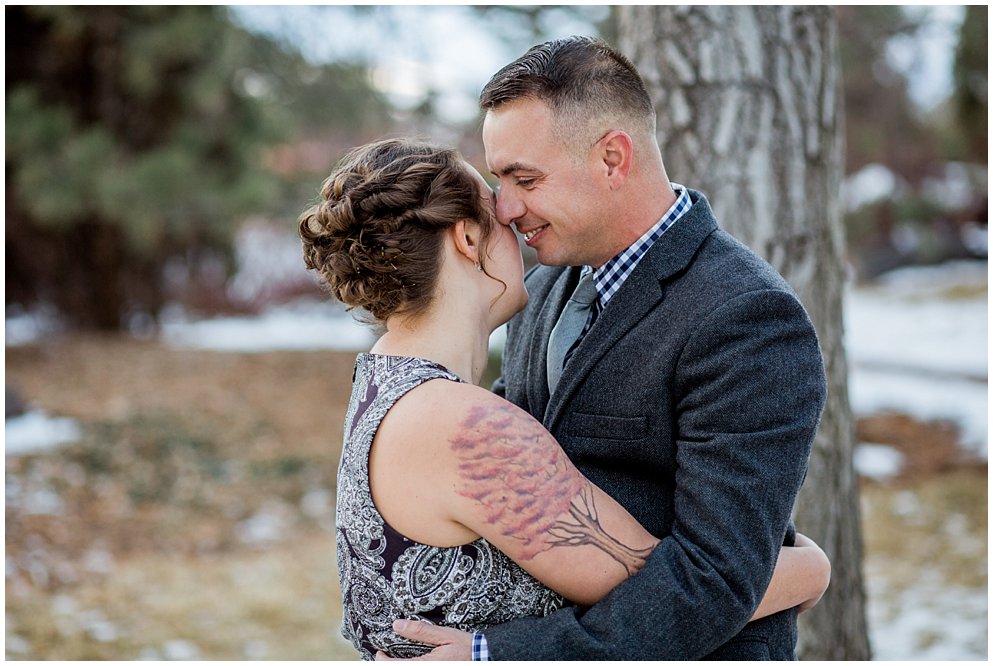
(650, 204)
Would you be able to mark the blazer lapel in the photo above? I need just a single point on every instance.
(551, 309)
(640, 294)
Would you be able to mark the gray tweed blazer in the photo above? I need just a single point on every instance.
(693, 400)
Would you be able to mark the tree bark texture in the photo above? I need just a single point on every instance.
(749, 112)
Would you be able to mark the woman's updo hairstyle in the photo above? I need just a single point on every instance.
(375, 236)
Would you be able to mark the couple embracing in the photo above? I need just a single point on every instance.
(625, 490)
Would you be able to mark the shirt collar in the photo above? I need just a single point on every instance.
(608, 278)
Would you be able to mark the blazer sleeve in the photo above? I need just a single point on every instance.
(749, 390)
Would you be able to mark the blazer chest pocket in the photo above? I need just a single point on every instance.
(603, 426)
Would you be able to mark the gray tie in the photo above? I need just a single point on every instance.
(569, 327)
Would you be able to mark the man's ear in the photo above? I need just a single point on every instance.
(465, 235)
(616, 150)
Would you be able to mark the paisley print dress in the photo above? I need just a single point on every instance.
(384, 575)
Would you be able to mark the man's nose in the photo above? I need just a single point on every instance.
(509, 208)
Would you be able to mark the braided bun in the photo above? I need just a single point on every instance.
(375, 235)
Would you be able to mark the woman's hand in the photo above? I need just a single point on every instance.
(802, 575)
(803, 541)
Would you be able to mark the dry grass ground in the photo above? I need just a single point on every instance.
(926, 544)
(193, 519)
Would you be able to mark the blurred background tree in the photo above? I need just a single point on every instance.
(876, 92)
(971, 104)
(138, 137)
(749, 112)
(914, 194)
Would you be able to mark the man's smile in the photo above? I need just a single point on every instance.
(530, 235)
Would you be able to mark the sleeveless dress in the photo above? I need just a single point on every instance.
(384, 575)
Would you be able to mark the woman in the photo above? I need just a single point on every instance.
(454, 505)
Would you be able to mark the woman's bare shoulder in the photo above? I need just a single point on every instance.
(455, 426)
(430, 444)
(441, 412)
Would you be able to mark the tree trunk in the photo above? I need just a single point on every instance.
(749, 112)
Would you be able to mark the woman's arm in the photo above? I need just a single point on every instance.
(801, 577)
(802, 574)
(453, 461)
(518, 489)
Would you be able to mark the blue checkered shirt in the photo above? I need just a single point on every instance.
(480, 651)
(607, 280)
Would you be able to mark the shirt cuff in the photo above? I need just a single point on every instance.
(480, 650)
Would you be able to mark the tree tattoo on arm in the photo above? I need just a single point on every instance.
(527, 490)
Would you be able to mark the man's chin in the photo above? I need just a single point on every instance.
(549, 258)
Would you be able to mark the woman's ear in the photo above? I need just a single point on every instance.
(617, 154)
(466, 235)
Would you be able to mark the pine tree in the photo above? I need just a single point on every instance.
(135, 137)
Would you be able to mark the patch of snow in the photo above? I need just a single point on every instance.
(41, 502)
(180, 650)
(926, 398)
(98, 560)
(299, 326)
(907, 506)
(13, 491)
(255, 649)
(16, 644)
(877, 461)
(268, 525)
(931, 281)
(63, 604)
(22, 327)
(317, 503)
(927, 621)
(36, 431)
(874, 182)
(915, 350)
(955, 188)
(65, 614)
(976, 238)
(939, 336)
(96, 624)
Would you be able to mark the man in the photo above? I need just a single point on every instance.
(693, 391)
